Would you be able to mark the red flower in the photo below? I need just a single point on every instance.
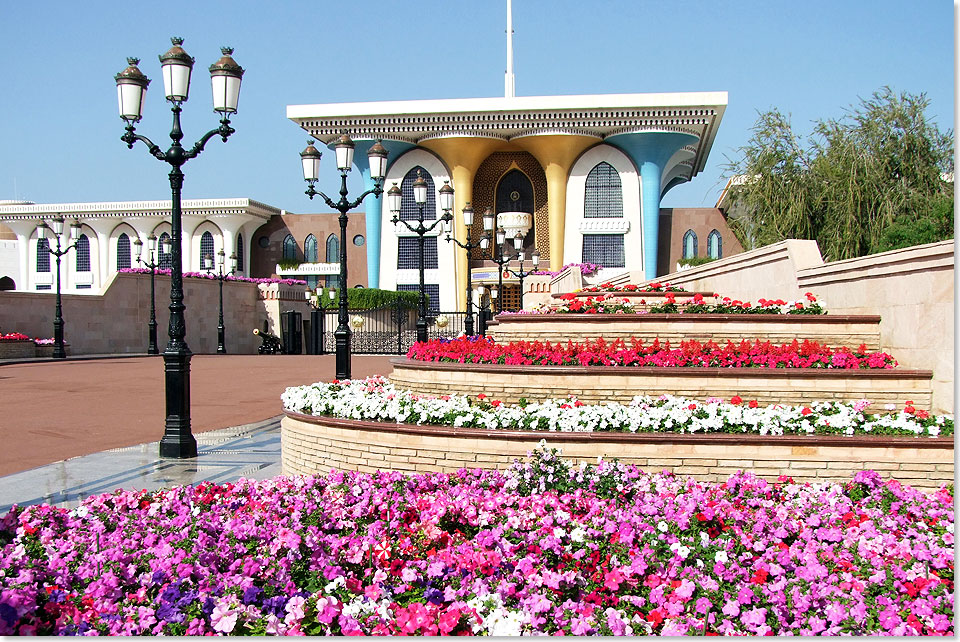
(760, 577)
(481, 396)
(806, 411)
(736, 400)
(753, 403)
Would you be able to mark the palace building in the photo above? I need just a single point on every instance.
(581, 178)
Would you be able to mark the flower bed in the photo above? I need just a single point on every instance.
(667, 302)
(540, 548)
(655, 286)
(375, 399)
(210, 275)
(689, 354)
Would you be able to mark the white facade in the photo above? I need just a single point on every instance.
(229, 221)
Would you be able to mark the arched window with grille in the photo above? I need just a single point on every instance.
(310, 254)
(83, 254)
(690, 244)
(239, 253)
(289, 248)
(603, 196)
(165, 259)
(43, 255)
(123, 252)
(333, 249)
(409, 210)
(715, 245)
(206, 247)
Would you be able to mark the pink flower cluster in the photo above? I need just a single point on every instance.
(759, 354)
(543, 548)
(209, 275)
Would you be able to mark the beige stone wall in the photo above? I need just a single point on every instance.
(115, 321)
(316, 445)
(595, 385)
(911, 289)
(830, 330)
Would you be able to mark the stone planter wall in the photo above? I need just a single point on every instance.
(22, 349)
(793, 386)
(318, 444)
(830, 330)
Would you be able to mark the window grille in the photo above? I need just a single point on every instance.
(714, 245)
(332, 281)
(603, 197)
(432, 291)
(312, 281)
(333, 249)
(310, 249)
(165, 259)
(43, 255)
(408, 253)
(206, 247)
(605, 250)
(239, 254)
(689, 244)
(289, 248)
(409, 210)
(83, 254)
(123, 252)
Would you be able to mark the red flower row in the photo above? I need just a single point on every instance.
(633, 287)
(759, 354)
(14, 336)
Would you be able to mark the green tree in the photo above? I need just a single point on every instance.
(870, 182)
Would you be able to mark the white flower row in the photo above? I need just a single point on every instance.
(376, 399)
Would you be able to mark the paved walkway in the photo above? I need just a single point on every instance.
(77, 427)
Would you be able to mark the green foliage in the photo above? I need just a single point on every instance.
(870, 182)
(369, 298)
(695, 260)
(288, 264)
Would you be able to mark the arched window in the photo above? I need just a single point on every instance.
(165, 259)
(333, 249)
(714, 245)
(409, 210)
(206, 246)
(83, 254)
(289, 248)
(603, 197)
(43, 255)
(690, 244)
(123, 251)
(310, 254)
(239, 253)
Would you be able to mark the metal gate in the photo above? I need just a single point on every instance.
(391, 329)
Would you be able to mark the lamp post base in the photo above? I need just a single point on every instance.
(177, 442)
(342, 335)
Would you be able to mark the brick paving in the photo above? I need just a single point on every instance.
(54, 410)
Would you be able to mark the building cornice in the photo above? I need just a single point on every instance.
(121, 209)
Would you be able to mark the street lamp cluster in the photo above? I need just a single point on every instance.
(59, 351)
(310, 159)
(220, 276)
(225, 77)
(152, 265)
(483, 243)
(394, 198)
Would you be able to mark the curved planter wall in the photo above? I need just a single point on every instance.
(318, 444)
(606, 383)
(831, 330)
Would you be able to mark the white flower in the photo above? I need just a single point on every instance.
(721, 557)
(662, 526)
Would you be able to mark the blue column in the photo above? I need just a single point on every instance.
(650, 152)
(373, 207)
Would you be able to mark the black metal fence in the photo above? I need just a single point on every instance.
(388, 330)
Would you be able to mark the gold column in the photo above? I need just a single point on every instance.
(556, 153)
(463, 155)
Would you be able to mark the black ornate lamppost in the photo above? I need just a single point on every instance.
(152, 266)
(394, 196)
(519, 273)
(220, 276)
(501, 260)
(225, 75)
(483, 242)
(59, 352)
(317, 313)
(310, 158)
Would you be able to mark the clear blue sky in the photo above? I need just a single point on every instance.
(60, 128)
